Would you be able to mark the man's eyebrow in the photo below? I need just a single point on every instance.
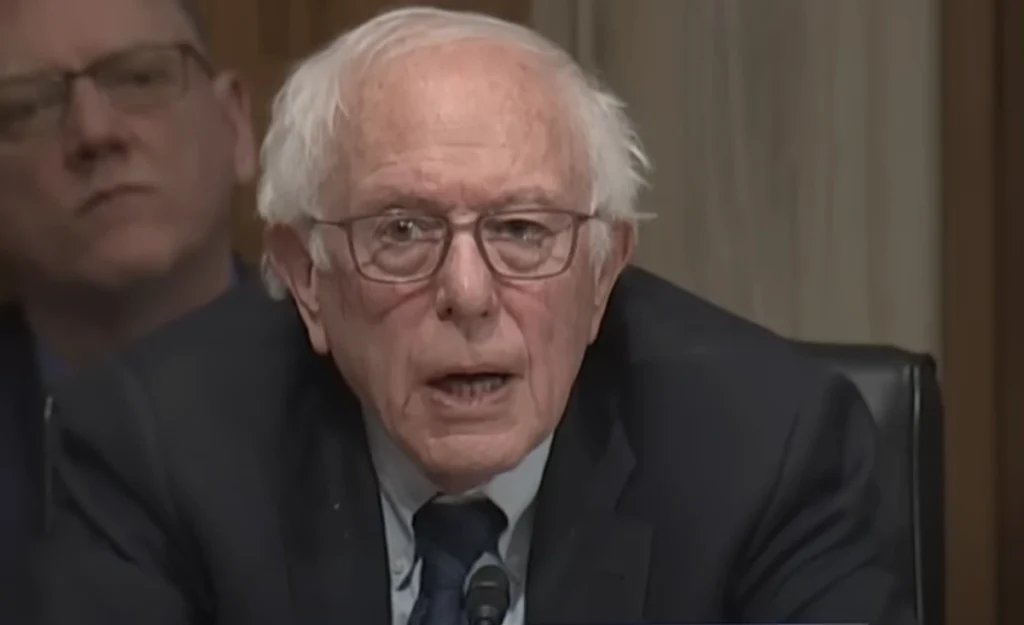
(14, 73)
(398, 199)
(13, 70)
(526, 196)
(389, 199)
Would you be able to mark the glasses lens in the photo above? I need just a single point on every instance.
(142, 79)
(398, 246)
(529, 244)
(29, 105)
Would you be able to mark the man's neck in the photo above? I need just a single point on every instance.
(76, 328)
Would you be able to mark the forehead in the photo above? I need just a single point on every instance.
(482, 99)
(36, 34)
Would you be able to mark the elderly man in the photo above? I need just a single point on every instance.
(119, 150)
(468, 411)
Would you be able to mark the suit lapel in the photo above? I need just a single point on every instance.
(587, 564)
(334, 530)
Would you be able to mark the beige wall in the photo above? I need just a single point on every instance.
(795, 144)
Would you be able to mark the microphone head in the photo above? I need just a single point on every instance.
(487, 595)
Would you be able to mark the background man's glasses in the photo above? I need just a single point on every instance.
(137, 80)
(528, 244)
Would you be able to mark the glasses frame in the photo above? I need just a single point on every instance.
(67, 79)
(451, 229)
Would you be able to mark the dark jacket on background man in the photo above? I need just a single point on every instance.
(28, 373)
(22, 404)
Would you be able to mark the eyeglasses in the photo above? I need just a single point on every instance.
(529, 244)
(137, 80)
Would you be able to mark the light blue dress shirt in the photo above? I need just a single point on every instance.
(404, 489)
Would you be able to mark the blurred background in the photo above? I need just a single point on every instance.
(838, 170)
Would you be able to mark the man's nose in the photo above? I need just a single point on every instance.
(92, 128)
(466, 291)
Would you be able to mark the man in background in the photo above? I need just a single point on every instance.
(120, 148)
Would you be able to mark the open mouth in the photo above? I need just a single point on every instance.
(471, 387)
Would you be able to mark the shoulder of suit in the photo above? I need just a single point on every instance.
(236, 354)
(654, 319)
(704, 389)
(668, 340)
(242, 322)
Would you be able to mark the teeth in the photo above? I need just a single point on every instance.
(470, 386)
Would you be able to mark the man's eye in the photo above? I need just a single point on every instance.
(405, 229)
(141, 77)
(519, 230)
(16, 116)
(12, 112)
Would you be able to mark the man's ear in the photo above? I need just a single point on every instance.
(622, 241)
(234, 99)
(290, 261)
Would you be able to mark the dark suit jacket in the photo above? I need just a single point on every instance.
(705, 472)
(21, 450)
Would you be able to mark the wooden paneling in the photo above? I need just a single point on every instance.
(264, 38)
(983, 308)
(1010, 304)
(969, 342)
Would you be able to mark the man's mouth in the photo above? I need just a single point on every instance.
(107, 195)
(471, 386)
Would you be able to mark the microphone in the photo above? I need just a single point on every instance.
(487, 596)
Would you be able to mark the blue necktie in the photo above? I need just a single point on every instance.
(450, 538)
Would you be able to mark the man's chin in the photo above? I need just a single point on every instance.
(462, 462)
(125, 270)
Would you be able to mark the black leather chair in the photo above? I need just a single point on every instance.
(901, 390)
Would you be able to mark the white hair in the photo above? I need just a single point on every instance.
(306, 139)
